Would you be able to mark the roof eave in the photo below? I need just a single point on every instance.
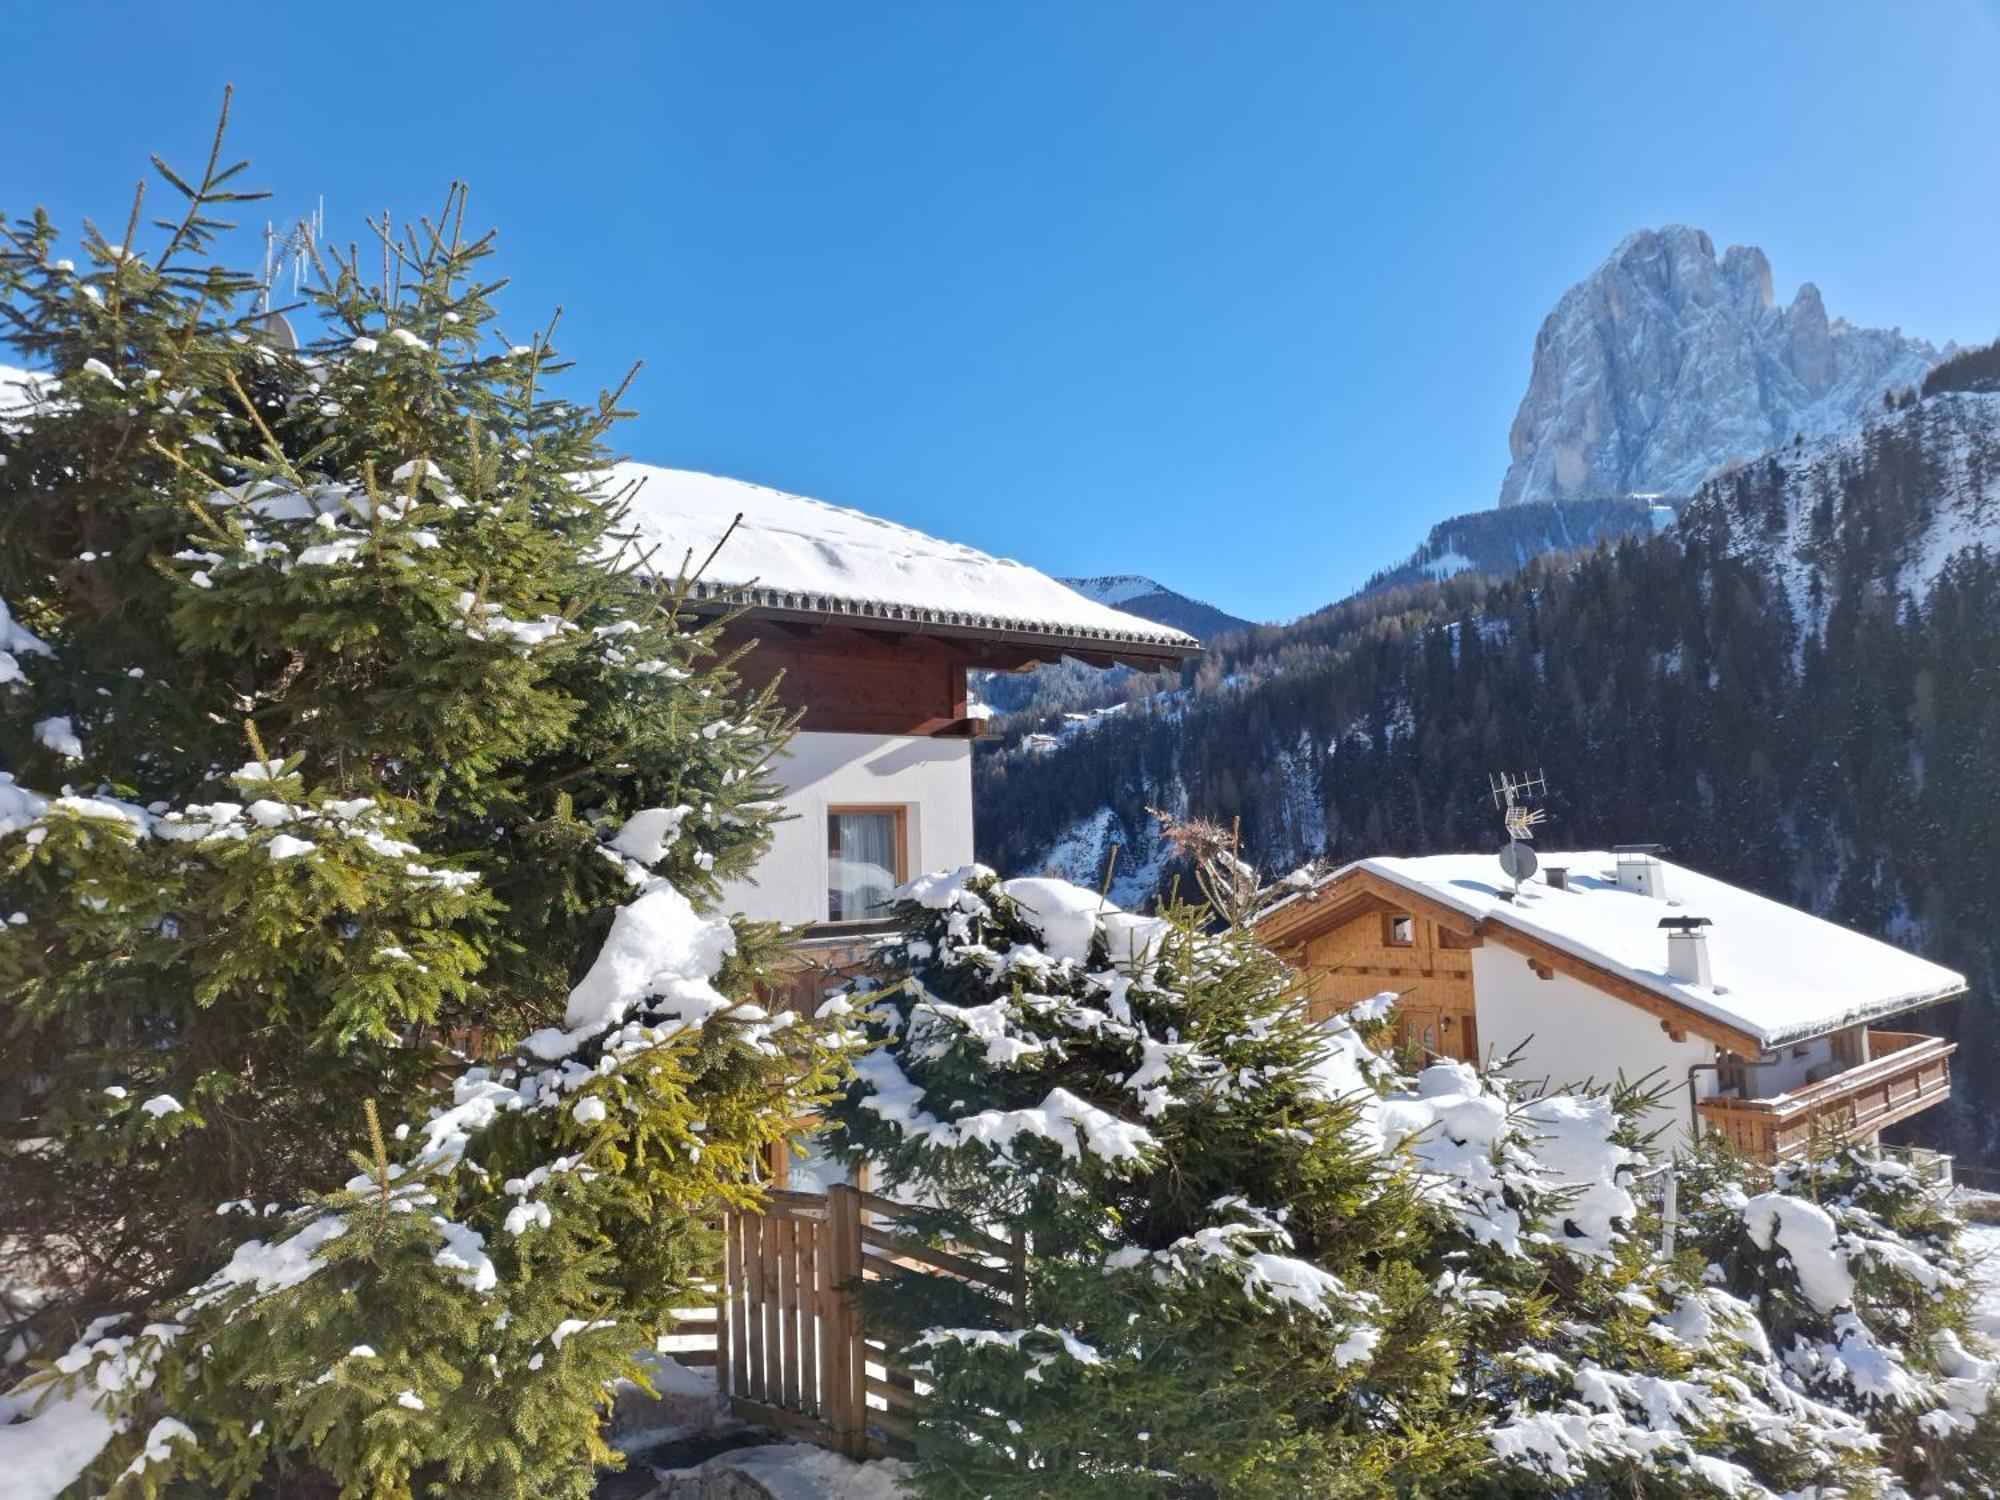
(1888, 1010)
(1100, 648)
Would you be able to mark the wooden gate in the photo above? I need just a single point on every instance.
(791, 1347)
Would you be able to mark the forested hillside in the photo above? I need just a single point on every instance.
(1797, 688)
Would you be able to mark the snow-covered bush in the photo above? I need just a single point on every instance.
(347, 745)
(1852, 1266)
(1260, 1260)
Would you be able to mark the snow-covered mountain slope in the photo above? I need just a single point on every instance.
(1882, 506)
(1135, 594)
(1667, 364)
(1499, 543)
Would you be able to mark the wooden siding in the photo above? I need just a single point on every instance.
(858, 682)
(1353, 961)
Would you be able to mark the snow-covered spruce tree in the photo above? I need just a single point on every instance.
(1596, 1365)
(1218, 1297)
(1851, 1263)
(341, 738)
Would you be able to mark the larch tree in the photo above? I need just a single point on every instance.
(368, 794)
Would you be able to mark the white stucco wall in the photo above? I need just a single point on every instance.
(1791, 1070)
(1569, 1033)
(931, 778)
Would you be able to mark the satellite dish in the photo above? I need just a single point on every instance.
(1518, 860)
(279, 330)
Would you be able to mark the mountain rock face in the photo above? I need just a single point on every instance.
(1667, 364)
(1149, 600)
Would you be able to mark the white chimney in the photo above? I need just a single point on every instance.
(1687, 950)
(1640, 871)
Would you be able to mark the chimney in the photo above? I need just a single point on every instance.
(1640, 870)
(1687, 950)
(1557, 877)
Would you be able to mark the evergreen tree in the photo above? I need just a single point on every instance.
(1852, 1264)
(1596, 1365)
(352, 738)
(1215, 1298)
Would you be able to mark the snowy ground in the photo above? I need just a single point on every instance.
(793, 1471)
(683, 1444)
(1983, 1240)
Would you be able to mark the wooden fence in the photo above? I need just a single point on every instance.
(790, 1341)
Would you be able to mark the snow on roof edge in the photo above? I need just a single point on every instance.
(863, 608)
(792, 552)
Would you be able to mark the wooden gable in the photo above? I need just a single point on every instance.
(1325, 936)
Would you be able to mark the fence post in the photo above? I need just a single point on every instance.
(1670, 1203)
(842, 1354)
(726, 1275)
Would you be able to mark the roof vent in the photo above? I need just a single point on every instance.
(1687, 950)
(1556, 876)
(1640, 870)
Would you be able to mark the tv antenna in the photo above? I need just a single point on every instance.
(288, 253)
(1517, 796)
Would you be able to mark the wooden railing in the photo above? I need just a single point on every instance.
(789, 1339)
(1906, 1072)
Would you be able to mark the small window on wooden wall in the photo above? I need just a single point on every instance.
(1398, 931)
(867, 857)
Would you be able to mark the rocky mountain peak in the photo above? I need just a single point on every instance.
(1668, 363)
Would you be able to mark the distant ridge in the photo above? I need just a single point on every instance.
(1151, 600)
(1499, 543)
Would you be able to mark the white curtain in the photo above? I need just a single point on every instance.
(862, 861)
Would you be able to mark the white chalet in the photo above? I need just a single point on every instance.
(1765, 1022)
(869, 629)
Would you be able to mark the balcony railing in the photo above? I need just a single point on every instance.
(1906, 1072)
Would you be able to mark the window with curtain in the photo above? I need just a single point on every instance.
(865, 859)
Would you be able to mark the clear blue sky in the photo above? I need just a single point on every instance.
(1241, 296)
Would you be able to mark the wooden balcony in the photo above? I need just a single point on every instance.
(1906, 1072)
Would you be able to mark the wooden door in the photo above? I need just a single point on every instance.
(1427, 1032)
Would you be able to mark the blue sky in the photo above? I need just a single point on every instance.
(1239, 296)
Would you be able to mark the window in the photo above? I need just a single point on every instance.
(866, 858)
(1399, 931)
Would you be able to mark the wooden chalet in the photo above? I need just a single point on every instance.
(1756, 1020)
(871, 631)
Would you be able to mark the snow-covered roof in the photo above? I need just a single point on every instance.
(1780, 974)
(796, 555)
